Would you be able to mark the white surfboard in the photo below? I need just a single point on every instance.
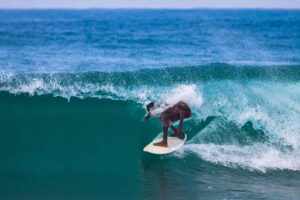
(174, 143)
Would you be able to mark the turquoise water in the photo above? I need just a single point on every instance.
(73, 86)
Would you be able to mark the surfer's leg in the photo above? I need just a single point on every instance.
(180, 129)
(164, 142)
(174, 129)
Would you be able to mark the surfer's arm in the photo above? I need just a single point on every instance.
(146, 118)
(181, 122)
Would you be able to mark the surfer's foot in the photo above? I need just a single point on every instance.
(161, 144)
(178, 135)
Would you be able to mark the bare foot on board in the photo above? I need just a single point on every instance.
(161, 144)
(179, 135)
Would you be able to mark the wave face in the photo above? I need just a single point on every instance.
(252, 111)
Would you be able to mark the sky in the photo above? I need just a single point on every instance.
(24, 4)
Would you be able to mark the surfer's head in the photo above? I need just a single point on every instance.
(150, 106)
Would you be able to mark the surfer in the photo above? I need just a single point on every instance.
(179, 111)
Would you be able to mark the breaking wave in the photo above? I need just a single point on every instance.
(244, 117)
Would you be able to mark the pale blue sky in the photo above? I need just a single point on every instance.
(149, 3)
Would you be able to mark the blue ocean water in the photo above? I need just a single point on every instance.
(74, 84)
(110, 40)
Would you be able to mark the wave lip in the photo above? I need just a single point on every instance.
(83, 84)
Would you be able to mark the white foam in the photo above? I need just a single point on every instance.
(169, 96)
(5, 76)
(56, 87)
(33, 86)
(260, 157)
(187, 93)
(271, 107)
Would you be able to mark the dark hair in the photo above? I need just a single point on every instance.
(149, 106)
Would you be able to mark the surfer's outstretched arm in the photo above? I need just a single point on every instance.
(174, 129)
(181, 123)
(165, 136)
(180, 128)
(147, 117)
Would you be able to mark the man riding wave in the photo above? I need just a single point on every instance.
(168, 116)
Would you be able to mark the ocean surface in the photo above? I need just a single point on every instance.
(74, 84)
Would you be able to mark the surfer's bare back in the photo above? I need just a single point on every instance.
(177, 112)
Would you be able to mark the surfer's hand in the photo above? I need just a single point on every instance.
(176, 131)
(146, 118)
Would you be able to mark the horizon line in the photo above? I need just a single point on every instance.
(148, 8)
